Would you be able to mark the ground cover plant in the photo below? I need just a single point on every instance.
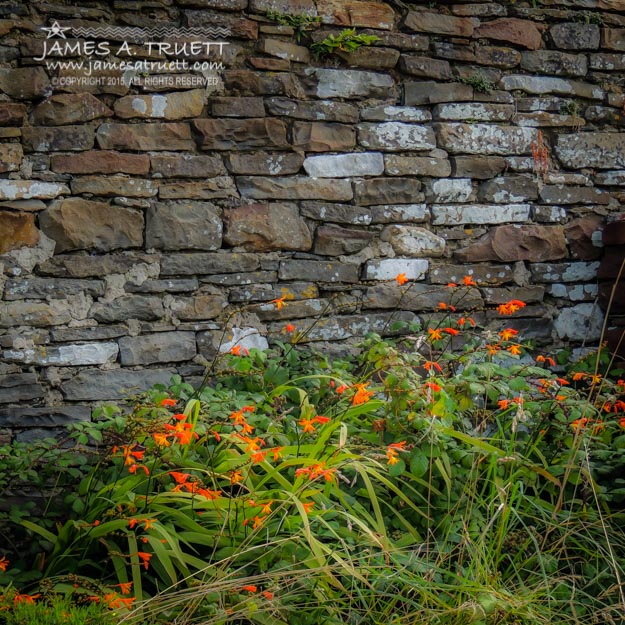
(451, 474)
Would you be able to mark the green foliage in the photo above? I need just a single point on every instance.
(450, 475)
(346, 41)
(588, 17)
(301, 24)
(479, 82)
(572, 107)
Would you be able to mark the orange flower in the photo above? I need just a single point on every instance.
(209, 494)
(429, 364)
(25, 598)
(266, 508)
(279, 302)
(443, 306)
(510, 307)
(341, 389)
(148, 523)
(401, 279)
(546, 359)
(435, 335)
(180, 478)
(276, 453)
(133, 468)
(492, 349)
(514, 348)
(503, 403)
(431, 385)
(507, 334)
(289, 327)
(321, 419)
(309, 505)
(168, 402)
(132, 523)
(161, 439)
(145, 558)
(4, 563)
(451, 331)
(464, 320)
(362, 395)
(125, 587)
(247, 428)
(621, 422)
(268, 595)
(307, 425)
(250, 588)
(236, 477)
(258, 456)
(236, 350)
(469, 281)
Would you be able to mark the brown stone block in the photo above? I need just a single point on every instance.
(12, 114)
(513, 30)
(18, 230)
(613, 38)
(68, 108)
(323, 136)
(100, 162)
(25, 83)
(335, 241)
(11, 155)
(426, 22)
(579, 234)
(57, 139)
(357, 13)
(156, 136)
(240, 134)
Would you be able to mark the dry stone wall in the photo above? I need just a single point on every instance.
(138, 209)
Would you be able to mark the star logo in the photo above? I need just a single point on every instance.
(56, 30)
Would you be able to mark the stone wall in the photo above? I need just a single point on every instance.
(136, 214)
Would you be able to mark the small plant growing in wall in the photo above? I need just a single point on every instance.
(346, 41)
(540, 155)
(301, 24)
(479, 82)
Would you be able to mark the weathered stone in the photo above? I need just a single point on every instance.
(290, 7)
(295, 188)
(428, 92)
(237, 279)
(65, 355)
(523, 33)
(426, 22)
(479, 214)
(100, 162)
(561, 194)
(604, 115)
(388, 214)
(12, 114)
(554, 62)
(284, 50)
(336, 213)
(454, 51)
(30, 189)
(158, 347)
(265, 227)
(86, 266)
(387, 191)
(269, 64)
(480, 167)
(25, 83)
(345, 165)
(505, 58)
(293, 310)
(420, 297)
(175, 105)
(575, 36)
(37, 314)
(336, 241)
(488, 9)
(209, 189)
(582, 322)
(96, 385)
(370, 58)
(240, 134)
(318, 271)
(16, 387)
(239, 27)
(182, 285)
(11, 155)
(356, 13)
(185, 165)
(313, 111)
(388, 268)
(483, 275)
(613, 38)
(501, 295)
(199, 307)
(542, 119)
(575, 293)
(43, 417)
(564, 272)
(323, 136)
(387, 113)
(18, 230)
(602, 62)
(396, 136)
(224, 5)
(57, 139)
(425, 67)
(484, 139)
(266, 292)
(413, 241)
(27, 206)
(508, 189)
(34, 287)
(111, 186)
(237, 107)
(583, 236)
(68, 108)
(183, 225)
(448, 190)
(512, 243)
(203, 264)
(600, 150)
(350, 84)
(473, 111)
(127, 307)
(155, 136)
(264, 163)
(548, 84)
(397, 165)
(77, 224)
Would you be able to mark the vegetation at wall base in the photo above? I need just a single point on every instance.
(451, 475)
